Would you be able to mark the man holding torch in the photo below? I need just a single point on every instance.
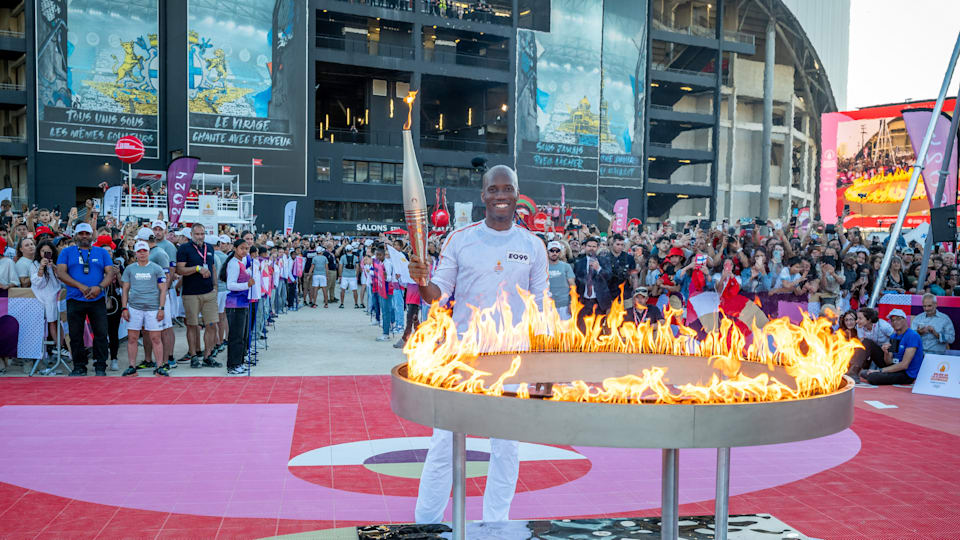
(477, 263)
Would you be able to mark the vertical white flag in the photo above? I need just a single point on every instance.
(289, 217)
(462, 214)
(111, 201)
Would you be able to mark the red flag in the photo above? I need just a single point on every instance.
(257, 161)
(224, 169)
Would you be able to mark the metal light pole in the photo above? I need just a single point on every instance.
(944, 169)
(914, 178)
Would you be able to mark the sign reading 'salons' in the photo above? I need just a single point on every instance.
(98, 75)
(246, 91)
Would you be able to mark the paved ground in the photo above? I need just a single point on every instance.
(309, 443)
(310, 341)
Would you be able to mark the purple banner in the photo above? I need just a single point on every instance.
(917, 121)
(179, 176)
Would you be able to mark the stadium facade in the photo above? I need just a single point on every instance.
(672, 104)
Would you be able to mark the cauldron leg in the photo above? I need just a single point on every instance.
(459, 486)
(721, 504)
(669, 496)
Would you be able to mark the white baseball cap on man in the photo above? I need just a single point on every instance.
(270, 243)
(184, 232)
(224, 239)
(144, 234)
(159, 223)
(141, 245)
(554, 245)
(897, 313)
(83, 227)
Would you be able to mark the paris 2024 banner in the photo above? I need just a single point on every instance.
(247, 92)
(98, 75)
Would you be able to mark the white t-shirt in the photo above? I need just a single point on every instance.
(785, 275)
(477, 263)
(880, 333)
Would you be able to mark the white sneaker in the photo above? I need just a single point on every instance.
(114, 366)
(384, 338)
(64, 353)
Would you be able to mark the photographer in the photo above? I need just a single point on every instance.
(620, 264)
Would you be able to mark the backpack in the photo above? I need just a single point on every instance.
(350, 264)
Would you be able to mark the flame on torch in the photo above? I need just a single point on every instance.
(411, 97)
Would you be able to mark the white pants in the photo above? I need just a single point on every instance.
(437, 479)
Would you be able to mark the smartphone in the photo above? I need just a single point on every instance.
(846, 208)
(48, 256)
(701, 260)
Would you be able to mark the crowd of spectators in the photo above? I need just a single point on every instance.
(824, 268)
(146, 195)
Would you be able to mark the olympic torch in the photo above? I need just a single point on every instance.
(414, 200)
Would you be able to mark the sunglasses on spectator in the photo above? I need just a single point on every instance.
(554, 250)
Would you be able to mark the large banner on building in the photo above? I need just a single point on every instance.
(866, 162)
(623, 92)
(247, 91)
(581, 90)
(559, 120)
(98, 74)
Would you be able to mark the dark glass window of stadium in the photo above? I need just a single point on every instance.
(357, 211)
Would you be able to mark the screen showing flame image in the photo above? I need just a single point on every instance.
(411, 97)
(812, 353)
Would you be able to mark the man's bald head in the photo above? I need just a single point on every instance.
(501, 170)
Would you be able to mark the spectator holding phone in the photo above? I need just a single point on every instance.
(44, 283)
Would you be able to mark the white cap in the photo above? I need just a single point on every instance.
(211, 239)
(184, 232)
(144, 234)
(897, 313)
(82, 227)
(368, 242)
(141, 245)
(355, 245)
(348, 247)
(159, 223)
(555, 244)
(270, 243)
(224, 239)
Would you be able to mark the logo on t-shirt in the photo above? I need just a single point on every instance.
(518, 256)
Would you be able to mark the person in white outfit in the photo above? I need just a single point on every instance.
(477, 263)
(45, 284)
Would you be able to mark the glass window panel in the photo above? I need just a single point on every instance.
(440, 174)
(375, 172)
(452, 176)
(392, 213)
(475, 178)
(348, 171)
(362, 177)
(427, 174)
(323, 170)
(346, 211)
(388, 173)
